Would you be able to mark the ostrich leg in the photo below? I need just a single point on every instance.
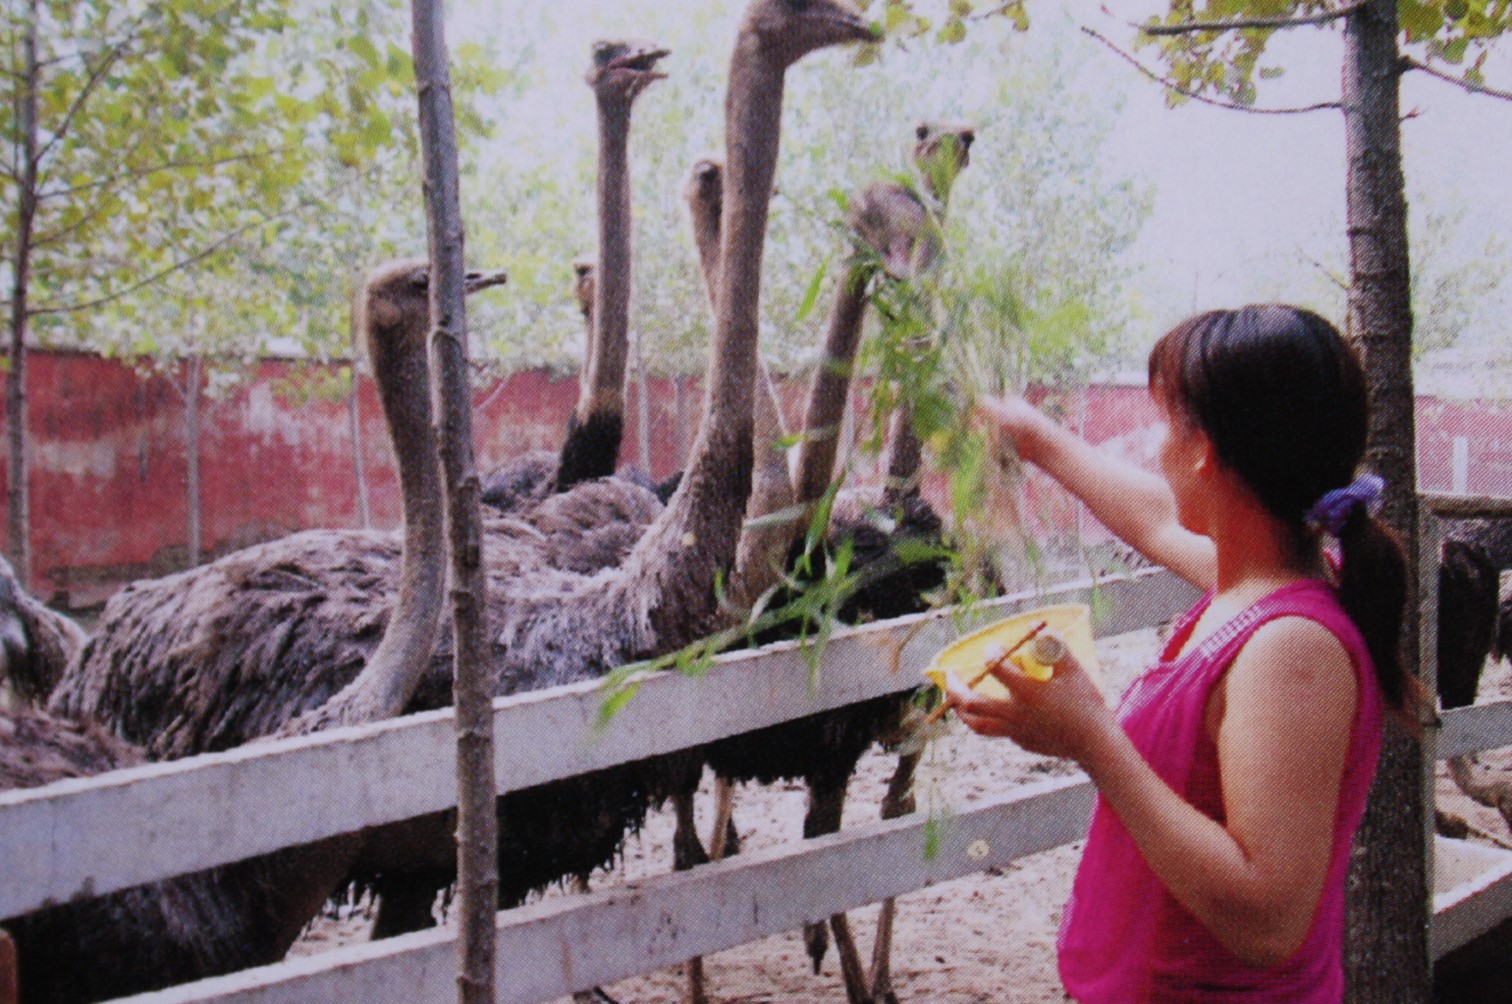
(688, 852)
(404, 905)
(724, 839)
(898, 801)
(9, 991)
(826, 803)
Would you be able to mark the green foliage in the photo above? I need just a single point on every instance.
(1458, 33)
(1038, 196)
(214, 175)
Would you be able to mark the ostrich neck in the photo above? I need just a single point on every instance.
(831, 389)
(695, 539)
(760, 550)
(753, 121)
(591, 447)
(905, 456)
(768, 416)
(706, 236)
(611, 291)
(387, 682)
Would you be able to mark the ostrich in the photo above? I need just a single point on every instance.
(823, 749)
(560, 627)
(35, 642)
(550, 627)
(772, 483)
(1474, 623)
(619, 72)
(248, 913)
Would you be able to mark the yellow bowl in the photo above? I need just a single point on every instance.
(968, 655)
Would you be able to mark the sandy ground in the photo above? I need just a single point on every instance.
(984, 938)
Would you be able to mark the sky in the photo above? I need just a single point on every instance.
(1244, 204)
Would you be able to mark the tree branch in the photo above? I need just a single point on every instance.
(1239, 24)
(1408, 63)
(1327, 272)
(159, 275)
(96, 74)
(1171, 85)
(53, 237)
(146, 171)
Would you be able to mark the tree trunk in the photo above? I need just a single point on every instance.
(642, 407)
(18, 511)
(354, 420)
(1389, 905)
(477, 838)
(192, 456)
(683, 420)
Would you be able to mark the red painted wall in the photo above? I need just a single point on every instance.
(109, 458)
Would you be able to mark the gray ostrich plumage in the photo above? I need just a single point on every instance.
(249, 912)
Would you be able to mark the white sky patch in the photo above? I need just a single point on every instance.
(1245, 204)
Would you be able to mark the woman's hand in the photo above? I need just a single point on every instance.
(1009, 420)
(1063, 716)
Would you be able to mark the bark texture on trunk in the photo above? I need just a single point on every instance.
(1386, 953)
(477, 836)
(354, 420)
(192, 422)
(18, 503)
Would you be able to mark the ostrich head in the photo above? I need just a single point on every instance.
(705, 182)
(941, 152)
(889, 221)
(790, 29)
(620, 70)
(582, 284)
(396, 298)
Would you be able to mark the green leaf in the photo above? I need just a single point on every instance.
(952, 32)
(811, 295)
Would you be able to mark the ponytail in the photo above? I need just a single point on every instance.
(1373, 591)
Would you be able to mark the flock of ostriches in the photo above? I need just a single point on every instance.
(587, 570)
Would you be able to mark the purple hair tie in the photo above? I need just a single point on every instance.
(1335, 508)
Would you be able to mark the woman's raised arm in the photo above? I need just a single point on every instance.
(1136, 505)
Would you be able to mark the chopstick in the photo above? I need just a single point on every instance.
(997, 663)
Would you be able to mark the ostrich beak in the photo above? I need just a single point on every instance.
(475, 281)
(853, 27)
(898, 261)
(642, 60)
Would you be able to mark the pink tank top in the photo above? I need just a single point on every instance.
(1123, 938)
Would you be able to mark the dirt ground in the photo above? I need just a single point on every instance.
(983, 938)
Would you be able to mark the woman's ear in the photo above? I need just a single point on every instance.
(1207, 457)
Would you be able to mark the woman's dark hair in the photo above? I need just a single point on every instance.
(1282, 398)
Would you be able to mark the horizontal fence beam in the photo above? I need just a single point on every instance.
(1453, 506)
(1475, 729)
(1472, 893)
(566, 944)
(95, 835)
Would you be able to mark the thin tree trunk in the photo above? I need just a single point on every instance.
(477, 838)
(642, 407)
(683, 443)
(354, 420)
(1389, 905)
(192, 456)
(18, 509)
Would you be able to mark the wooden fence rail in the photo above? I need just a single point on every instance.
(96, 835)
(99, 834)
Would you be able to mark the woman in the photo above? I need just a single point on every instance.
(1232, 779)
